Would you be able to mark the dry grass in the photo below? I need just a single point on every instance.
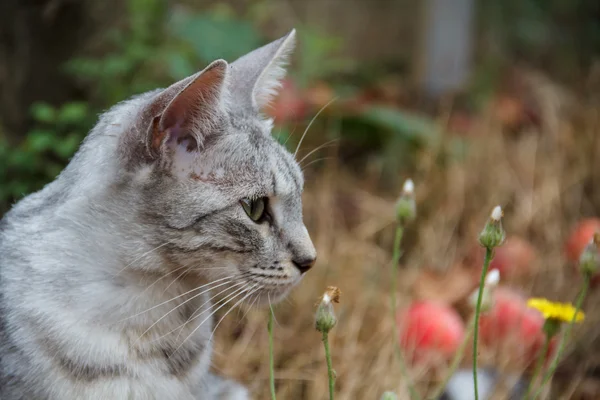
(545, 182)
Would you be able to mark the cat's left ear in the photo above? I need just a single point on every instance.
(256, 77)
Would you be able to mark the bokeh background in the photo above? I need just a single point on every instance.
(480, 102)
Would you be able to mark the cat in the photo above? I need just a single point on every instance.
(177, 203)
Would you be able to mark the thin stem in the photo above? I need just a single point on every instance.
(271, 356)
(455, 362)
(565, 338)
(394, 287)
(489, 252)
(538, 367)
(330, 371)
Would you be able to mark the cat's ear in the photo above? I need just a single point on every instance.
(187, 111)
(256, 77)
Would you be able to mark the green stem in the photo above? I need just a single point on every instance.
(486, 263)
(565, 338)
(394, 287)
(271, 356)
(455, 362)
(330, 371)
(538, 366)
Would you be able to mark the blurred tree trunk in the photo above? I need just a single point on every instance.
(444, 62)
(36, 38)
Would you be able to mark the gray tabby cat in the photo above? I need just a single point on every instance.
(106, 275)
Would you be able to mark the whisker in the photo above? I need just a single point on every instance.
(290, 135)
(185, 271)
(317, 149)
(310, 124)
(176, 297)
(176, 307)
(231, 309)
(314, 161)
(156, 281)
(271, 309)
(142, 256)
(250, 306)
(210, 315)
(194, 315)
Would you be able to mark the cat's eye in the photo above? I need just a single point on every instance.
(255, 208)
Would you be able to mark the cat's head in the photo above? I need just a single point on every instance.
(222, 196)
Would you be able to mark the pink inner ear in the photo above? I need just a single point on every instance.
(194, 106)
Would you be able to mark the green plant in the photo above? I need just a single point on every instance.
(405, 212)
(48, 146)
(491, 236)
(153, 49)
(325, 320)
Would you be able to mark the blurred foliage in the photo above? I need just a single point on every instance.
(560, 33)
(155, 48)
(41, 156)
(159, 43)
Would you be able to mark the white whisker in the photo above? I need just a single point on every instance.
(290, 135)
(176, 307)
(234, 306)
(194, 315)
(250, 306)
(185, 271)
(310, 124)
(142, 256)
(271, 309)
(155, 282)
(317, 149)
(210, 315)
(314, 161)
(176, 297)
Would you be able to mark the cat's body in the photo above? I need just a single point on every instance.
(107, 275)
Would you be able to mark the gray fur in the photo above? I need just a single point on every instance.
(95, 268)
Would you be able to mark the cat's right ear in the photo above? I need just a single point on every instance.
(187, 112)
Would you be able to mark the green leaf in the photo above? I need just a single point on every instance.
(22, 160)
(73, 113)
(179, 66)
(406, 125)
(213, 36)
(40, 140)
(43, 112)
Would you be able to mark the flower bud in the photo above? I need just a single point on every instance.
(325, 319)
(493, 234)
(389, 396)
(406, 208)
(589, 261)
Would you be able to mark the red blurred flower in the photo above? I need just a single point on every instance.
(512, 328)
(430, 332)
(580, 237)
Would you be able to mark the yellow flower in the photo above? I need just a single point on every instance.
(563, 312)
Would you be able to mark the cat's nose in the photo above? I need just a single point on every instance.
(304, 264)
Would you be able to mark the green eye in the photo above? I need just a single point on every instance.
(254, 208)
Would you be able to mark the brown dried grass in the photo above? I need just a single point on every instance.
(545, 183)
